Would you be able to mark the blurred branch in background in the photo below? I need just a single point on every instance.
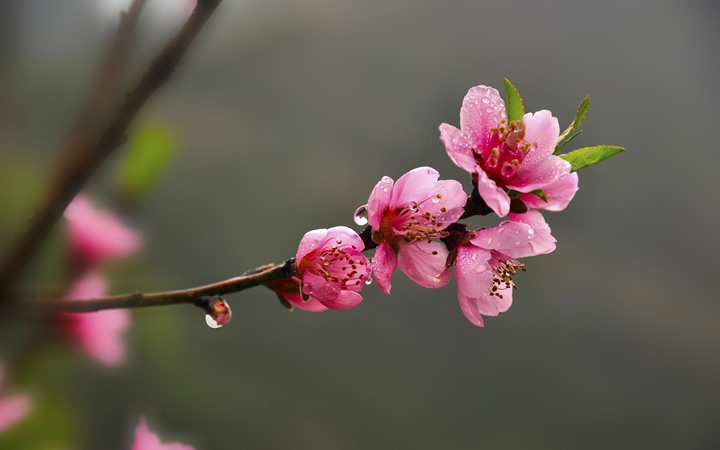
(87, 147)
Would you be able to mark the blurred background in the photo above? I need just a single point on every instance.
(282, 118)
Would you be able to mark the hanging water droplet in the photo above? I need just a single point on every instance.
(360, 216)
(218, 314)
(368, 282)
(211, 322)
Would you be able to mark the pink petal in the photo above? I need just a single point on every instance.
(13, 409)
(99, 333)
(485, 305)
(347, 236)
(481, 110)
(379, 201)
(458, 147)
(540, 176)
(452, 199)
(147, 440)
(384, 264)
(419, 263)
(543, 130)
(289, 289)
(559, 194)
(542, 241)
(311, 241)
(98, 235)
(472, 270)
(317, 286)
(312, 304)
(495, 197)
(346, 299)
(413, 186)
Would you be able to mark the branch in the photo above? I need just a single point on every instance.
(256, 277)
(87, 153)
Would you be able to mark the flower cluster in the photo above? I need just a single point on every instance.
(413, 222)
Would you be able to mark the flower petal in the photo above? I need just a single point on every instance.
(323, 290)
(413, 186)
(13, 409)
(496, 198)
(528, 179)
(379, 201)
(559, 194)
(542, 241)
(482, 109)
(447, 195)
(289, 289)
(384, 264)
(543, 130)
(147, 440)
(424, 263)
(347, 237)
(458, 147)
(346, 299)
(311, 241)
(485, 305)
(472, 270)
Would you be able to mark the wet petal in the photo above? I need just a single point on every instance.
(317, 286)
(379, 201)
(543, 130)
(384, 264)
(559, 194)
(542, 241)
(311, 241)
(347, 236)
(496, 198)
(482, 109)
(472, 270)
(424, 263)
(414, 186)
(346, 299)
(458, 147)
(446, 202)
(528, 179)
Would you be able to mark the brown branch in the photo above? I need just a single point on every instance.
(88, 152)
(261, 275)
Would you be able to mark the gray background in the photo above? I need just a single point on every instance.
(285, 115)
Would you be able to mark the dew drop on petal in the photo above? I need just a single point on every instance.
(306, 289)
(531, 233)
(368, 282)
(360, 216)
(485, 100)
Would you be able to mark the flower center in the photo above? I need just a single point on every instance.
(412, 224)
(504, 268)
(505, 151)
(338, 266)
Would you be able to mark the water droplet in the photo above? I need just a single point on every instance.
(306, 289)
(360, 216)
(368, 282)
(489, 241)
(531, 233)
(218, 314)
(485, 100)
(211, 322)
(489, 109)
(435, 199)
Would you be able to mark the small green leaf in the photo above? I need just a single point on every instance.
(515, 107)
(540, 193)
(560, 146)
(585, 157)
(149, 151)
(579, 117)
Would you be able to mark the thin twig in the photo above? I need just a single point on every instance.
(265, 274)
(89, 153)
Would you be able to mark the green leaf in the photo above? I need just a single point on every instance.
(515, 107)
(579, 117)
(585, 157)
(149, 151)
(540, 193)
(560, 146)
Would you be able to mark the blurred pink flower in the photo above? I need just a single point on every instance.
(100, 334)
(486, 263)
(405, 217)
(289, 289)
(147, 440)
(500, 155)
(97, 236)
(12, 408)
(332, 268)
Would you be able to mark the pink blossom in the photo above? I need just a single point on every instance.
(289, 289)
(98, 236)
(13, 408)
(147, 440)
(332, 267)
(98, 333)
(503, 156)
(406, 216)
(486, 263)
